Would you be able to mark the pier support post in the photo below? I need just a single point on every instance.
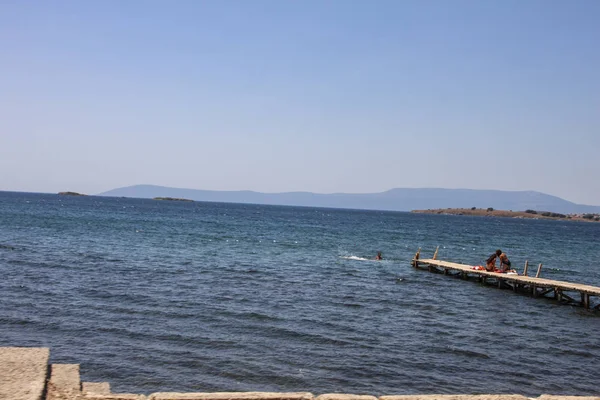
(585, 300)
(539, 271)
(525, 269)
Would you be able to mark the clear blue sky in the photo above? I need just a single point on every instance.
(322, 96)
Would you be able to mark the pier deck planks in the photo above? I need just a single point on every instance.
(540, 282)
(521, 281)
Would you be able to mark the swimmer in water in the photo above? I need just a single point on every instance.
(378, 256)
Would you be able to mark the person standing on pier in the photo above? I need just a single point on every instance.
(490, 263)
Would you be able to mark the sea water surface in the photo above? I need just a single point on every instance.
(176, 296)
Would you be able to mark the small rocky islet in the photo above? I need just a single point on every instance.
(171, 199)
(70, 194)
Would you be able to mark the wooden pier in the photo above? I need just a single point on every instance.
(563, 292)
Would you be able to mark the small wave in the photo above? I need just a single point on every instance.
(573, 352)
(468, 353)
(259, 316)
(302, 336)
(352, 305)
(7, 247)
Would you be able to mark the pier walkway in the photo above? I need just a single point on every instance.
(565, 292)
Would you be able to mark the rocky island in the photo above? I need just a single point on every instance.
(171, 199)
(490, 212)
(70, 194)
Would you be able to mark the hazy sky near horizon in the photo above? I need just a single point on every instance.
(323, 96)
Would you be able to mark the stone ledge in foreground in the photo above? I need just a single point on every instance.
(111, 396)
(64, 383)
(95, 387)
(340, 396)
(23, 372)
(231, 396)
(457, 397)
(558, 397)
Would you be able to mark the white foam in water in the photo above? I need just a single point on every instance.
(356, 258)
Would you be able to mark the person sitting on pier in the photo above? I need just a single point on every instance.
(490, 263)
(504, 263)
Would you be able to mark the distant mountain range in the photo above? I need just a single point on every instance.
(394, 200)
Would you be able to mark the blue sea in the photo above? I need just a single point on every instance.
(178, 296)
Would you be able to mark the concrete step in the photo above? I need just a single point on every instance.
(95, 387)
(23, 371)
(64, 383)
(113, 396)
(231, 396)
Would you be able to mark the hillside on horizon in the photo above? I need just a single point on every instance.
(399, 199)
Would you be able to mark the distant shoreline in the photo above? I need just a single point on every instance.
(530, 214)
(397, 199)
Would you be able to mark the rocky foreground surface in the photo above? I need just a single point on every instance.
(26, 375)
